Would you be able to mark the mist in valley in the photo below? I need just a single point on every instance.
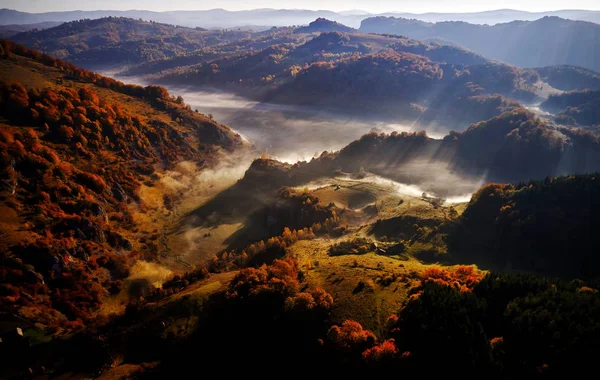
(286, 133)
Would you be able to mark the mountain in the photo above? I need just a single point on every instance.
(80, 153)
(220, 18)
(545, 42)
(324, 25)
(109, 41)
(7, 31)
(287, 65)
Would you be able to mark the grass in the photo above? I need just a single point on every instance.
(366, 284)
(357, 281)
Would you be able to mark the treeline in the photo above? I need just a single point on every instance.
(509, 325)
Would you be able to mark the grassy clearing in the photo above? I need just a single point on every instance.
(358, 282)
(367, 284)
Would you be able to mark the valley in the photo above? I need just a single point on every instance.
(297, 194)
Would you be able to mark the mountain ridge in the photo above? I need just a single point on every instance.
(555, 40)
(227, 19)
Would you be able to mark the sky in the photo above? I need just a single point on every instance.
(413, 6)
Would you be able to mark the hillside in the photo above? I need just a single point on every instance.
(362, 74)
(109, 41)
(379, 202)
(545, 42)
(362, 298)
(79, 153)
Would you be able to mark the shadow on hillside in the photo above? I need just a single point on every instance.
(238, 204)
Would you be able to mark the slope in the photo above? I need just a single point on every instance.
(77, 149)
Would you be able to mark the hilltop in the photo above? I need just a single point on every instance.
(113, 40)
(7, 31)
(324, 25)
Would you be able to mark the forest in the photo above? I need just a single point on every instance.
(542, 226)
(575, 107)
(449, 230)
(72, 167)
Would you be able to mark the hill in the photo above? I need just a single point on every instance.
(339, 71)
(575, 107)
(111, 41)
(79, 153)
(554, 40)
(452, 95)
(542, 226)
(512, 147)
(324, 25)
(569, 78)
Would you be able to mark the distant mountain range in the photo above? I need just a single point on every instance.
(7, 31)
(547, 41)
(220, 18)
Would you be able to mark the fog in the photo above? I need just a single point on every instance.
(296, 133)
(286, 133)
(452, 191)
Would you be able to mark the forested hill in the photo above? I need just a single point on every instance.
(545, 227)
(324, 25)
(115, 40)
(76, 149)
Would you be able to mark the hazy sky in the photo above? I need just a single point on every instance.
(416, 6)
